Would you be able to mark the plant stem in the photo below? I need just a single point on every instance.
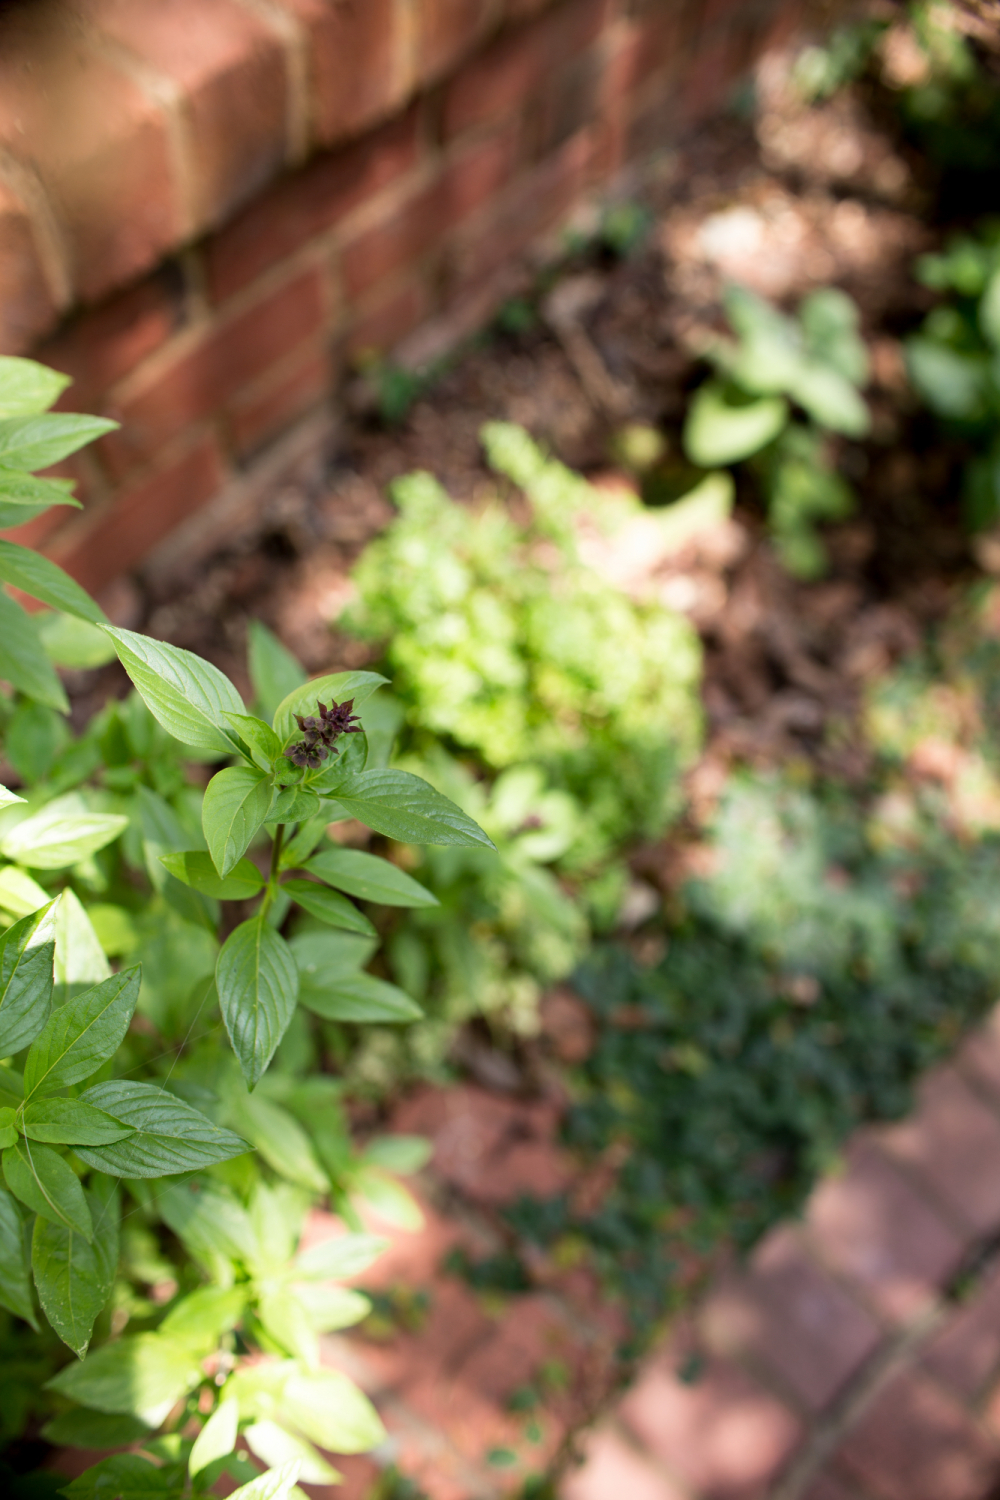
(272, 874)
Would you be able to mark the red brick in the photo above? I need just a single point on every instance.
(33, 533)
(306, 204)
(102, 155)
(508, 75)
(359, 64)
(708, 76)
(447, 29)
(872, 1226)
(26, 305)
(378, 328)
(967, 1349)
(528, 1334)
(612, 1468)
(258, 414)
(979, 1056)
(570, 101)
(231, 70)
(914, 1443)
(210, 367)
(99, 348)
(721, 1435)
(791, 1318)
(829, 1487)
(131, 526)
(533, 204)
(953, 1142)
(360, 1475)
(425, 218)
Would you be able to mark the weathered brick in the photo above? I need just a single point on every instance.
(359, 57)
(979, 1055)
(230, 68)
(914, 1443)
(210, 367)
(307, 203)
(274, 403)
(953, 1142)
(871, 1225)
(99, 348)
(723, 1436)
(136, 520)
(611, 1468)
(447, 30)
(570, 101)
(422, 220)
(508, 75)
(381, 324)
(967, 1349)
(26, 305)
(791, 1318)
(102, 155)
(534, 203)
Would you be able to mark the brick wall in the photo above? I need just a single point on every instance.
(209, 208)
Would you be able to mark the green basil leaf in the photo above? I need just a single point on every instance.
(216, 1438)
(36, 442)
(196, 869)
(293, 804)
(142, 1375)
(185, 694)
(258, 986)
(20, 491)
(285, 1318)
(261, 738)
(169, 1135)
(329, 1409)
(341, 1257)
(212, 1223)
(8, 1130)
(274, 671)
(359, 998)
(80, 1428)
(26, 957)
(369, 878)
(339, 686)
(329, 906)
(74, 1279)
(45, 1182)
(45, 580)
(26, 387)
(11, 1087)
(279, 1138)
(331, 1307)
(71, 1122)
(23, 661)
(406, 808)
(404, 1154)
(82, 1034)
(234, 808)
(276, 1484)
(718, 431)
(72, 642)
(127, 1476)
(201, 1318)
(319, 954)
(15, 1287)
(393, 1203)
(80, 961)
(62, 833)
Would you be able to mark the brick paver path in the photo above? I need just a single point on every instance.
(856, 1356)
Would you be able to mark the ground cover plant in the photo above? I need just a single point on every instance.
(157, 1181)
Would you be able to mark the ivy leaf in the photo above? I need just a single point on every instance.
(369, 878)
(23, 662)
(258, 986)
(37, 442)
(71, 1122)
(74, 1279)
(406, 808)
(26, 957)
(15, 1288)
(45, 1182)
(196, 869)
(234, 808)
(141, 1375)
(216, 1438)
(168, 1136)
(359, 998)
(338, 686)
(45, 580)
(185, 694)
(264, 744)
(333, 909)
(82, 1034)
